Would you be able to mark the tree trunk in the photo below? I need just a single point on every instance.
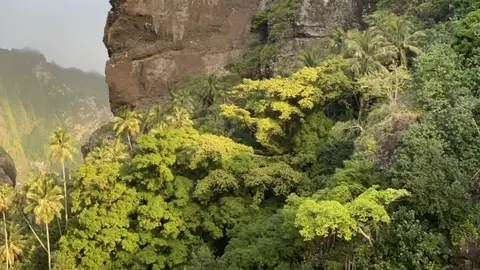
(59, 227)
(6, 239)
(34, 233)
(65, 194)
(403, 57)
(129, 141)
(361, 108)
(48, 248)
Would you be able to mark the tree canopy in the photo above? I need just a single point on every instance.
(366, 156)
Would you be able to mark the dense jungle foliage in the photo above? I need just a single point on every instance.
(365, 157)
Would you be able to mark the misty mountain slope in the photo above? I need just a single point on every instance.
(36, 97)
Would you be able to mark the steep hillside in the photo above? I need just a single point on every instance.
(36, 97)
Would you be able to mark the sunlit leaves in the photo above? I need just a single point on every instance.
(61, 146)
(385, 84)
(201, 150)
(467, 35)
(44, 199)
(324, 218)
(321, 218)
(217, 181)
(275, 103)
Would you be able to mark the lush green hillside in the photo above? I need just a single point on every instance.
(36, 97)
(365, 157)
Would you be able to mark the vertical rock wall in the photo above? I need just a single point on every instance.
(153, 44)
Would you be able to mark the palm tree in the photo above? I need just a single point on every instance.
(16, 242)
(108, 153)
(338, 41)
(61, 150)
(310, 57)
(151, 118)
(118, 151)
(44, 200)
(179, 118)
(7, 195)
(21, 202)
(212, 92)
(400, 32)
(368, 51)
(183, 99)
(128, 124)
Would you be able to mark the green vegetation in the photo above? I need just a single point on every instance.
(271, 28)
(365, 158)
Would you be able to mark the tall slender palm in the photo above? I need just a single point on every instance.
(61, 150)
(7, 195)
(21, 202)
(16, 242)
(129, 124)
(44, 200)
(400, 32)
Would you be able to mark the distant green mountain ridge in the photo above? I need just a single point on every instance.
(36, 97)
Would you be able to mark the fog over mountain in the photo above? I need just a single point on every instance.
(37, 94)
(67, 32)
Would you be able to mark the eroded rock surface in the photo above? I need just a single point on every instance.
(154, 44)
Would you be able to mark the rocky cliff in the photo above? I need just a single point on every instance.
(8, 172)
(153, 44)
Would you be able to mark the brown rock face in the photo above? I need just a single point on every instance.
(153, 44)
(315, 22)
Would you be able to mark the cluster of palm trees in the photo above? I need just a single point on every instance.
(39, 201)
(133, 123)
(380, 52)
(44, 199)
(390, 39)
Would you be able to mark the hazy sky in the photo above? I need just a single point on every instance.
(68, 32)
